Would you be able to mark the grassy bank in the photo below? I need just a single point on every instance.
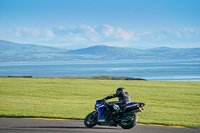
(167, 102)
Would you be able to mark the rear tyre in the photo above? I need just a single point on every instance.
(91, 119)
(130, 121)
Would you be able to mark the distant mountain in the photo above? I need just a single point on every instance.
(104, 52)
(116, 53)
(96, 50)
(175, 53)
(10, 51)
(16, 47)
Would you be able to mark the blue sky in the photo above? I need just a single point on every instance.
(75, 24)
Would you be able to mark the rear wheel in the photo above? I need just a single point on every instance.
(129, 121)
(91, 119)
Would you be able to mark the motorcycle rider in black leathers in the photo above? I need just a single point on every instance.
(123, 98)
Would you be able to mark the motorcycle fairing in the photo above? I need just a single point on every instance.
(99, 107)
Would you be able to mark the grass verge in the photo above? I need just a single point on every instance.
(167, 102)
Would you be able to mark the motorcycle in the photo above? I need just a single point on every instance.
(106, 115)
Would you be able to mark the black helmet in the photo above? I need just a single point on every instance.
(120, 90)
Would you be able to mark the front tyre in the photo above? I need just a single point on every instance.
(129, 121)
(91, 119)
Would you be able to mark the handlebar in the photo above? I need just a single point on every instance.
(102, 101)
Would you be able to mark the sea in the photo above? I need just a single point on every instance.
(159, 70)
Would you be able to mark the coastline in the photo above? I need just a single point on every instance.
(94, 77)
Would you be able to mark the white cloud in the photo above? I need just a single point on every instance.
(76, 33)
(103, 35)
(72, 27)
(95, 33)
(88, 28)
(127, 36)
(74, 37)
(195, 30)
(108, 30)
(90, 33)
(49, 34)
(27, 31)
(182, 37)
(61, 27)
(177, 34)
(18, 32)
(118, 33)
(145, 33)
(35, 32)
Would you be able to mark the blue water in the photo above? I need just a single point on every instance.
(174, 70)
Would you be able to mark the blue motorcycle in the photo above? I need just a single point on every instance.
(106, 115)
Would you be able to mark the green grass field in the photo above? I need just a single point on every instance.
(167, 102)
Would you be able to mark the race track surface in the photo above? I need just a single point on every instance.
(22, 125)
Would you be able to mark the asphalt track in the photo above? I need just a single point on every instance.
(22, 125)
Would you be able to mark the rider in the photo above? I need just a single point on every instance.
(123, 98)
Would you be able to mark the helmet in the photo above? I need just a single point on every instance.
(120, 90)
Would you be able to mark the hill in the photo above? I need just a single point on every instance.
(104, 52)
(10, 51)
(116, 53)
(27, 48)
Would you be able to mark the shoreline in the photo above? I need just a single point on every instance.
(97, 78)
(93, 77)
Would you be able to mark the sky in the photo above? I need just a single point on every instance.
(74, 24)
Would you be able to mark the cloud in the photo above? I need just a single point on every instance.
(88, 28)
(74, 37)
(61, 27)
(17, 32)
(26, 31)
(82, 33)
(90, 33)
(95, 34)
(118, 33)
(182, 37)
(49, 34)
(192, 30)
(184, 34)
(103, 35)
(127, 36)
(108, 30)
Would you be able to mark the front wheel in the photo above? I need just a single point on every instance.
(129, 121)
(91, 119)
